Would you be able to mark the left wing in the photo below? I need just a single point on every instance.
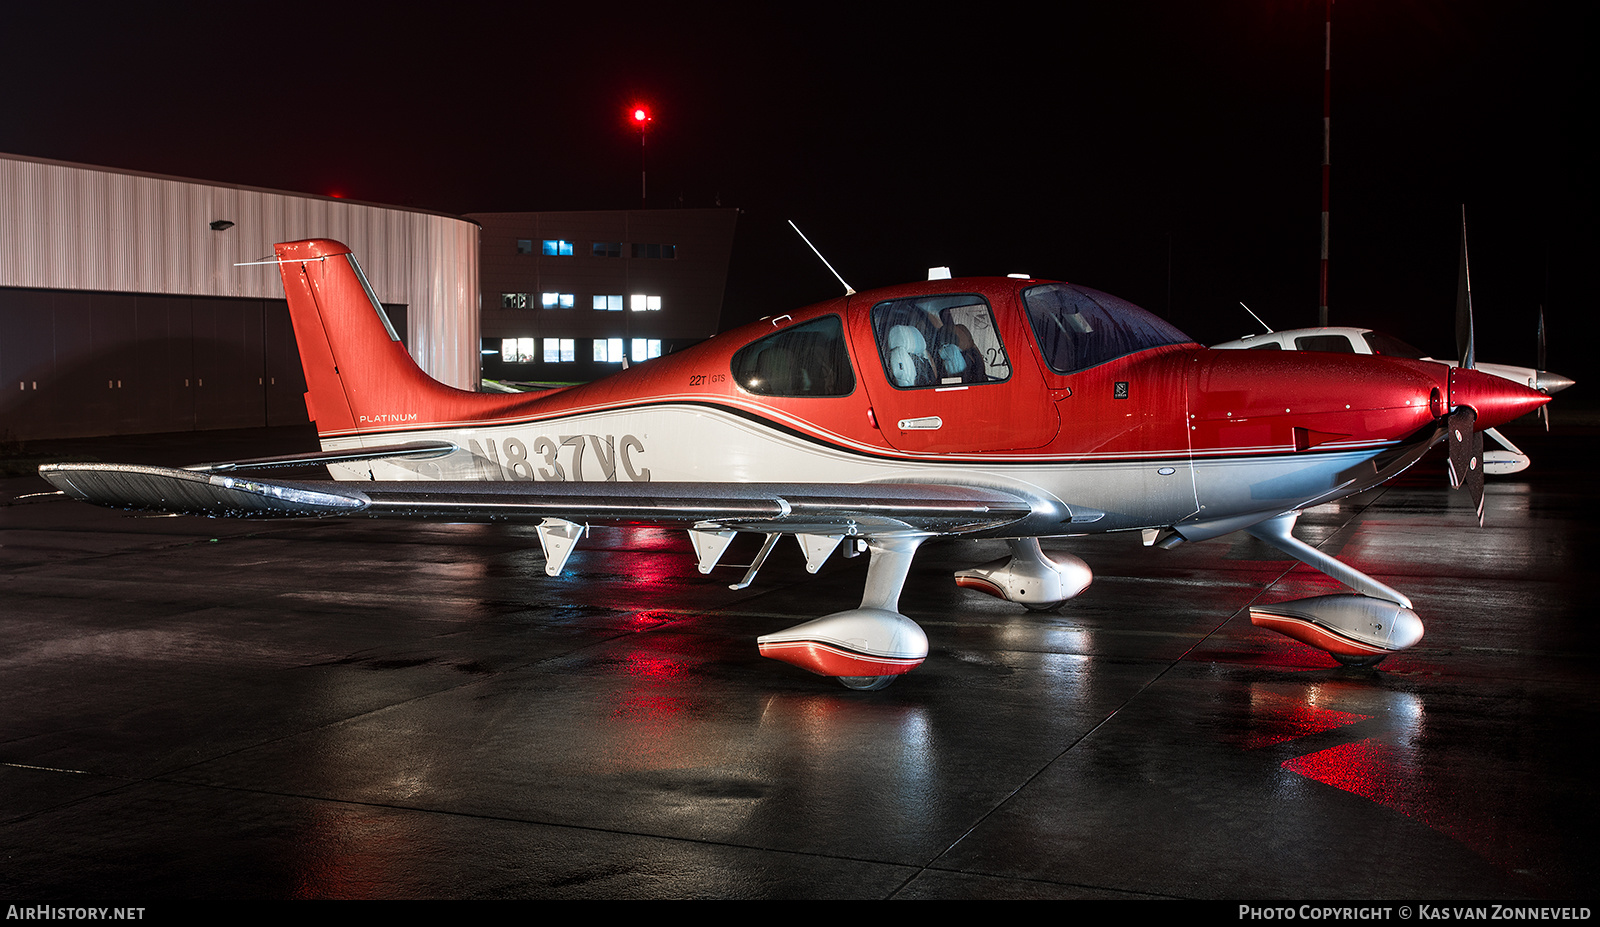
(788, 508)
(865, 647)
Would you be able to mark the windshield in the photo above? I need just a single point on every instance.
(1078, 328)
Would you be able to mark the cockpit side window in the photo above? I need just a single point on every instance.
(933, 341)
(809, 359)
(1079, 328)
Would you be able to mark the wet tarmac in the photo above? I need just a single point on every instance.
(199, 709)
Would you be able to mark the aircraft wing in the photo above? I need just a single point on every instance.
(799, 508)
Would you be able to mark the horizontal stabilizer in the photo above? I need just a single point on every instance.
(416, 450)
(810, 508)
(183, 492)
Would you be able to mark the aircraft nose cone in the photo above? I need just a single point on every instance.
(1552, 383)
(1496, 400)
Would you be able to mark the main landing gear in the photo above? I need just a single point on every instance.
(867, 648)
(1029, 576)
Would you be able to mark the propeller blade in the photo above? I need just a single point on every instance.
(1466, 455)
(1475, 476)
(1465, 347)
(1460, 438)
(1544, 410)
(1541, 339)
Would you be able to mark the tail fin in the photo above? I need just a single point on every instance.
(359, 377)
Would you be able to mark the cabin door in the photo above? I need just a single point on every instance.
(950, 373)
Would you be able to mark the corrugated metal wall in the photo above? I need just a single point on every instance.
(74, 227)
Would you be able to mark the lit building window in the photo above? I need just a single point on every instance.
(560, 350)
(641, 303)
(556, 300)
(524, 246)
(513, 300)
(646, 348)
(607, 249)
(608, 350)
(517, 350)
(608, 303)
(666, 252)
(557, 248)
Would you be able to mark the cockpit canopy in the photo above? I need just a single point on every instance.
(946, 340)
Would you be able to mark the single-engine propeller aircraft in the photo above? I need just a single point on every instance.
(985, 407)
(1346, 340)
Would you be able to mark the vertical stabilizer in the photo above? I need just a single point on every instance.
(359, 377)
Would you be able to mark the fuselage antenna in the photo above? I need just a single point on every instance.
(1257, 318)
(847, 289)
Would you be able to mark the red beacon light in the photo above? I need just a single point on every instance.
(641, 117)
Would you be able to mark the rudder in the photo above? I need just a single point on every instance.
(359, 376)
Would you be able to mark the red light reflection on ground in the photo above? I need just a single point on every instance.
(654, 570)
(1384, 774)
(649, 666)
(643, 621)
(650, 710)
(1392, 773)
(1374, 770)
(1275, 719)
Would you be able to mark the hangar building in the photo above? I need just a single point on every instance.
(123, 310)
(128, 303)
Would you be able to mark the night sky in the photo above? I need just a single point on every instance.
(1168, 152)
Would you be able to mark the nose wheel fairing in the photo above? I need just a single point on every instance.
(1357, 630)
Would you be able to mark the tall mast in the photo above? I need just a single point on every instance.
(1327, 108)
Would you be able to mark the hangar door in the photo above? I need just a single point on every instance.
(76, 364)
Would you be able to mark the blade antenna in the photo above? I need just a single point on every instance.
(1257, 318)
(847, 289)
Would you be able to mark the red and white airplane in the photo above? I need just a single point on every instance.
(986, 407)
